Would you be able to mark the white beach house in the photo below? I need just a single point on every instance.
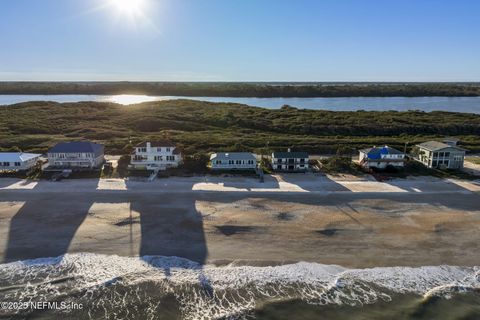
(18, 161)
(381, 157)
(233, 161)
(76, 155)
(158, 155)
(290, 161)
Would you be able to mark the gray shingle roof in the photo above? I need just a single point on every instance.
(157, 143)
(293, 154)
(232, 156)
(436, 145)
(77, 146)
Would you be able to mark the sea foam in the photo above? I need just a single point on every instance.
(107, 284)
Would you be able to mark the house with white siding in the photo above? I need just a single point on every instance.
(157, 155)
(381, 157)
(443, 155)
(18, 161)
(290, 161)
(233, 161)
(76, 155)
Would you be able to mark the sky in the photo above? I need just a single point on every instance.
(240, 40)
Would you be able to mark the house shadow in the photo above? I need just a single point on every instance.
(48, 223)
(44, 226)
(251, 182)
(310, 182)
(424, 184)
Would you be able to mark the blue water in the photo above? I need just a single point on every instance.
(454, 104)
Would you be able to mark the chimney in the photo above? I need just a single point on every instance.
(148, 145)
(289, 150)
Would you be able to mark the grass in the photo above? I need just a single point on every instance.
(475, 160)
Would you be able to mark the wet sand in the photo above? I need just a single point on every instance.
(349, 227)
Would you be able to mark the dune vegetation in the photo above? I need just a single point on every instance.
(200, 127)
(246, 89)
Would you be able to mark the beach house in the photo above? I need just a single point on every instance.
(76, 155)
(443, 155)
(157, 155)
(290, 161)
(18, 161)
(233, 161)
(381, 157)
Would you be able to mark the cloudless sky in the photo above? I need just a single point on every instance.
(241, 40)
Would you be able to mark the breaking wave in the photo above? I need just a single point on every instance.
(125, 288)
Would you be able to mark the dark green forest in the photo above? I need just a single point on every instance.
(202, 126)
(245, 89)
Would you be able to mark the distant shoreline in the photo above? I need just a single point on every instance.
(247, 89)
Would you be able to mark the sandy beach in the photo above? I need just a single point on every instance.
(349, 221)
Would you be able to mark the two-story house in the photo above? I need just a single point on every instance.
(233, 161)
(381, 157)
(158, 155)
(290, 161)
(18, 161)
(435, 154)
(76, 155)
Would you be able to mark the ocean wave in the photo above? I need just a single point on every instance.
(128, 287)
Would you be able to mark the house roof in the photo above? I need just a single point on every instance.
(436, 145)
(377, 152)
(76, 146)
(232, 155)
(17, 156)
(157, 143)
(292, 154)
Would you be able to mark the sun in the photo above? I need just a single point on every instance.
(128, 6)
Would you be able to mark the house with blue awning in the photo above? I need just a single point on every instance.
(381, 157)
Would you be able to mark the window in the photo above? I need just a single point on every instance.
(435, 154)
(302, 160)
(447, 154)
(142, 149)
(168, 149)
(170, 158)
(434, 163)
(218, 162)
(441, 154)
(158, 158)
(230, 162)
(279, 160)
(17, 164)
(239, 161)
(6, 164)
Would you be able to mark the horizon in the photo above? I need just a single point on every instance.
(250, 41)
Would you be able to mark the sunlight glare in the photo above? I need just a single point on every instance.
(128, 6)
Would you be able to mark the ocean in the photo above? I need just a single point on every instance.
(156, 287)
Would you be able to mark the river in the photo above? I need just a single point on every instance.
(454, 104)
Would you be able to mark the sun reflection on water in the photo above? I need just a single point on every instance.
(127, 99)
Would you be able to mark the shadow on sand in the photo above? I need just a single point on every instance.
(46, 225)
